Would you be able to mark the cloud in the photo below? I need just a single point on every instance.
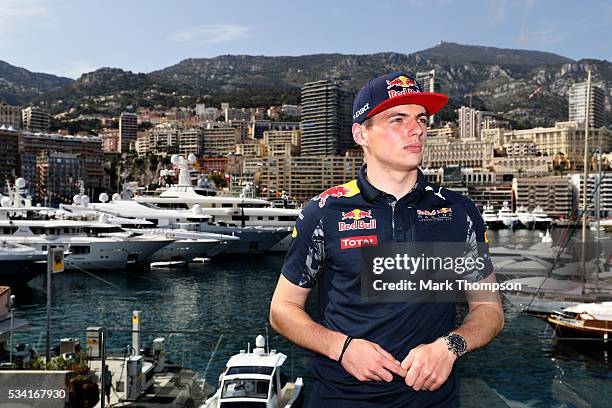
(497, 10)
(214, 34)
(545, 36)
(17, 13)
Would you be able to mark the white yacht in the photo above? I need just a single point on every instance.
(187, 245)
(490, 218)
(235, 211)
(237, 239)
(507, 217)
(541, 220)
(255, 380)
(92, 245)
(526, 219)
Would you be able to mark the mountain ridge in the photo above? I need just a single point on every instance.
(501, 80)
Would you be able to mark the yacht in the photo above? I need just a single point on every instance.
(541, 220)
(19, 264)
(507, 217)
(583, 320)
(235, 211)
(490, 218)
(92, 245)
(526, 219)
(255, 379)
(237, 239)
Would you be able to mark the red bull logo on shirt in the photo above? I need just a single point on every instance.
(358, 223)
(345, 190)
(406, 86)
(442, 214)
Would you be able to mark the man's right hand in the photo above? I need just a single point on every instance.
(367, 361)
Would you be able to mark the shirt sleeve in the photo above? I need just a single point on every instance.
(304, 261)
(477, 243)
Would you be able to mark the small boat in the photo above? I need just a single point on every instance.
(584, 320)
(168, 264)
(490, 218)
(526, 219)
(507, 217)
(541, 220)
(255, 380)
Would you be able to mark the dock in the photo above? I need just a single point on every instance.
(176, 386)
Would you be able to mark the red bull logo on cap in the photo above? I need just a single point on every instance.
(345, 190)
(358, 223)
(407, 86)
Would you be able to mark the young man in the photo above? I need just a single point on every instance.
(382, 354)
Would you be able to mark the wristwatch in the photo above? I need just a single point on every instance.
(456, 343)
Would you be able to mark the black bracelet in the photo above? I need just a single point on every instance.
(344, 347)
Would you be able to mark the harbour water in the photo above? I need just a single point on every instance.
(226, 302)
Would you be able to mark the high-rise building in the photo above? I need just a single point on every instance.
(189, 141)
(219, 140)
(326, 119)
(35, 119)
(60, 176)
(128, 132)
(9, 145)
(10, 116)
(577, 104)
(471, 122)
(200, 108)
(429, 83)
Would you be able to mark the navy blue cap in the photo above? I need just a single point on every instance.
(397, 88)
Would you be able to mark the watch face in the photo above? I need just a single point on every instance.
(457, 343)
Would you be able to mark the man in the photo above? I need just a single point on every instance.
(108, 379)
(389, 354)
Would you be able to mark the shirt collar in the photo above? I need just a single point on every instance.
(370, 193)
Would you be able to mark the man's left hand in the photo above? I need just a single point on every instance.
(429, 365)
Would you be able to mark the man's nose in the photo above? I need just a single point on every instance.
(413, 127)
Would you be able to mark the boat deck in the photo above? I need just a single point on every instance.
(176, 387)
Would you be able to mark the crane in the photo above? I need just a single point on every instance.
(470, 95)
(531, 97)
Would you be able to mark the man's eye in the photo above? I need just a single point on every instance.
(396, 120)
(423, 120)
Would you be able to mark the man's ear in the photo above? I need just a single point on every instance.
(360, 134)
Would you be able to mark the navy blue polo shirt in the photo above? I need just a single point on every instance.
(328, 238)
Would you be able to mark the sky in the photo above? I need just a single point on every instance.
(71, 37)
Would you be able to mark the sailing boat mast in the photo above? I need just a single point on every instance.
(585, 180)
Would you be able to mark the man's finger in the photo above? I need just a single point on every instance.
(428, 385)
(394, 367)
(421, 379)
(385, 353)
(384, 375)
(407, 363)
(412, 375)
(374, 377)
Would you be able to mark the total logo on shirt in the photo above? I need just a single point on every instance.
(358, 217)
(358, 242)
